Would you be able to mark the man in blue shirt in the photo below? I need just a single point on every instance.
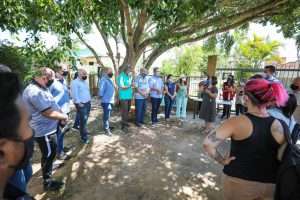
(45, 116)
(125, 92)
(80, 91)
(59, 91)
(140, 96)
(156, 86)
(268, 73)
(107, 98)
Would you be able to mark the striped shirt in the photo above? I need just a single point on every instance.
(142, 84)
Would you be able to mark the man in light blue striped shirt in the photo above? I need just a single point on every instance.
(156, 86)
(140, 96)
(60, 93)
(107, 98)
(80, 91)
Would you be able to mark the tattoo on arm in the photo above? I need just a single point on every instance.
(278, 128)
(213, 137)
(218, 157)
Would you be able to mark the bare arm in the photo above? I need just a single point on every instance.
(212, 95)
(54, 115)
(167, 91)
(278, 132)
(212, 142)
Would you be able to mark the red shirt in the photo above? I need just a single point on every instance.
(226, 86)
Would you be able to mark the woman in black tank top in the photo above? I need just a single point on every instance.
(251, 164)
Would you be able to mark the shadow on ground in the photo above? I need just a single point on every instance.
(165, 161)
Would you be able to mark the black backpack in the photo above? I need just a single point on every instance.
(295, 133)
(288, 175)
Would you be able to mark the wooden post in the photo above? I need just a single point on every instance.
(212, 65)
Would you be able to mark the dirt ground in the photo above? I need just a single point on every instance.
(160, 162)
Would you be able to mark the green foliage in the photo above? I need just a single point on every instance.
(190, 62)
(168, 67)
(168, 23)
(254, 52)
(25, 60)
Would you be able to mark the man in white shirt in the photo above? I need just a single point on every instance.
(80, 92)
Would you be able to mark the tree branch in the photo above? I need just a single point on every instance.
(218, 21)
(105, 39)
(142, 20)
(156, 53)
(127, 18)
(130, 51)
(90, 48)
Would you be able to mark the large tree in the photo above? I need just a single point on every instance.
(155, 26)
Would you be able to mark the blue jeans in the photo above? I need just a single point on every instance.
(76, 122)
(21, 178)
(84, 113)
(155, 106)
(140, 110)
(60, 140)
(107, 109)
(168, 106)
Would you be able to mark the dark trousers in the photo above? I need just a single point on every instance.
(107, 109)
(168, 106)
(239, 108)
(60, 140)
(226, 110)
(125, 104)
(199, 106)
(47, 145)
(155, 106)
(84, 113)
(140, 110)
(76, 122)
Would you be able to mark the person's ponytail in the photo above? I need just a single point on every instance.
(280, 94)
(264, 92)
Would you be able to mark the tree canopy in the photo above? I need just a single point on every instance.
(152, 26)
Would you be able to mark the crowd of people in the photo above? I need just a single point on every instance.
(41, 113)
(252, 160)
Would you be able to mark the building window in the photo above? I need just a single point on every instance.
(91, 63)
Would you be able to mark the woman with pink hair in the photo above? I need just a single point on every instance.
(251, 164)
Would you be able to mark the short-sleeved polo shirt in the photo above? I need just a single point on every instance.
(142, 84)
(37, 100)
(123, 81)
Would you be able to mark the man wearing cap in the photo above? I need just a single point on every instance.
(125, 92)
